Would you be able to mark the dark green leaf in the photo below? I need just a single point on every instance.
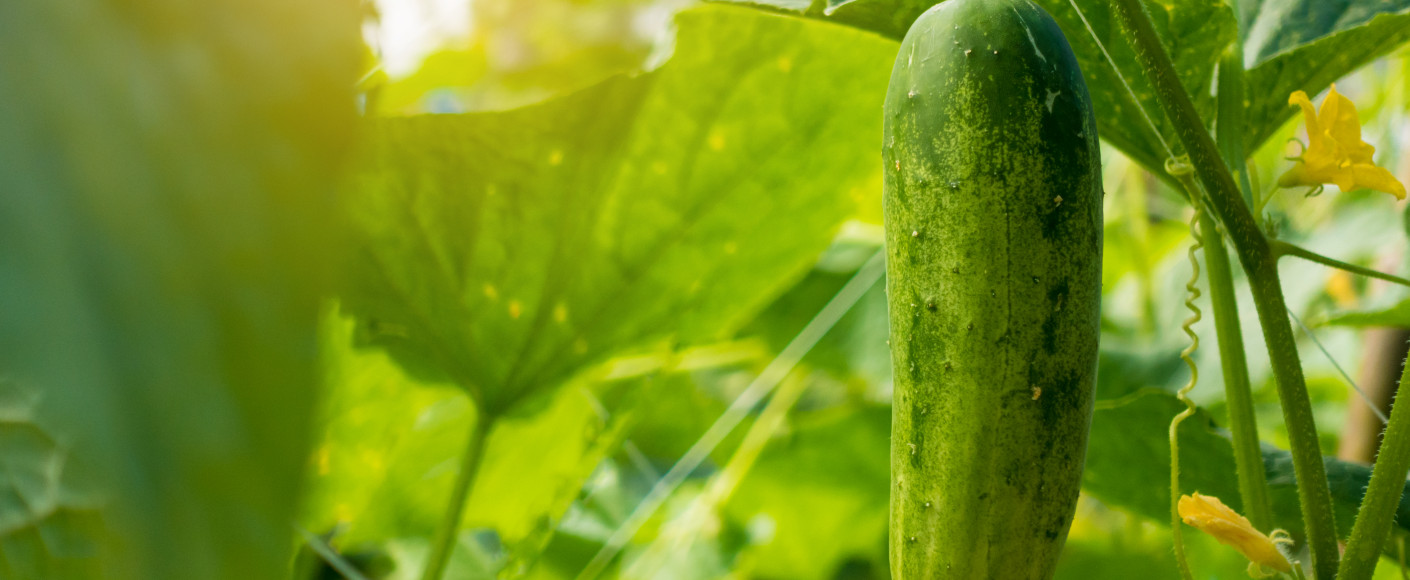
(508, 250)
(1306, 45)
(164, 236)
(1128, 465)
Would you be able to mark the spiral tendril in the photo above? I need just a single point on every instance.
(1192, 293)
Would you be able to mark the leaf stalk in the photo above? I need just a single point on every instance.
(444, 542)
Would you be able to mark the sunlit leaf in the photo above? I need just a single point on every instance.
(1194, 33)
(508, 250)
(164, 241)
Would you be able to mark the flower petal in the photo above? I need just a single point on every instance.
(1309, 116)
(1341, 122)
(1212, 517)
(1377, 178)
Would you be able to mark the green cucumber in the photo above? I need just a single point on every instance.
(993, 209)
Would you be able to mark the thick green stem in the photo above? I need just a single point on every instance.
(1285, 249)
(444, 541)
(1260, 263)
(1238, 393)
(1382, 500)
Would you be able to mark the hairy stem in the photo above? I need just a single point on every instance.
(1260, 263)
(1378, 509)
(444, 541)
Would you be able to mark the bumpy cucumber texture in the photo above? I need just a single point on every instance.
(993, 208)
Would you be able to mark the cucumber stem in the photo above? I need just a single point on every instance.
(1260, 262)
(444, 541)
(1378, 509)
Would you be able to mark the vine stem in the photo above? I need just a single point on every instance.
(1259, 261)
(1372, 527)
(444, 541)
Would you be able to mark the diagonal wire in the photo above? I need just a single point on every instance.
(330, 555)
(865, 278)
(1326, 353)
(1149, 122)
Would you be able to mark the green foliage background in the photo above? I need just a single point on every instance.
(240, 321)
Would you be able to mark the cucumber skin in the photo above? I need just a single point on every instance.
(994, 290)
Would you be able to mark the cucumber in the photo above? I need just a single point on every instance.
(993, 210)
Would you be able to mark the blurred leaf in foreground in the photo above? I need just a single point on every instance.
(164, 237)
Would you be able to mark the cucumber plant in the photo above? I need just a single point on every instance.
(993, 217)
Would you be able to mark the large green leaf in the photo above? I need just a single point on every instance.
(166, 170)
(1306, 45)
(1194, 32)
(507, 250)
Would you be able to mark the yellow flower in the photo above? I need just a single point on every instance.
(1335, 152)
(1212, 517)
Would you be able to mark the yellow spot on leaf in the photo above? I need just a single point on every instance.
(717, 141)
(785, 63)
(555, 157)
(515, 309)
(731, 247)
(374, 460)
(491, 293)
(1212, 517)
(1335, 152)
(323, 460)
(560, 313)
(659, 168)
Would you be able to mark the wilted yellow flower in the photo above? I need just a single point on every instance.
(1212, 517)
(1335, 152)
